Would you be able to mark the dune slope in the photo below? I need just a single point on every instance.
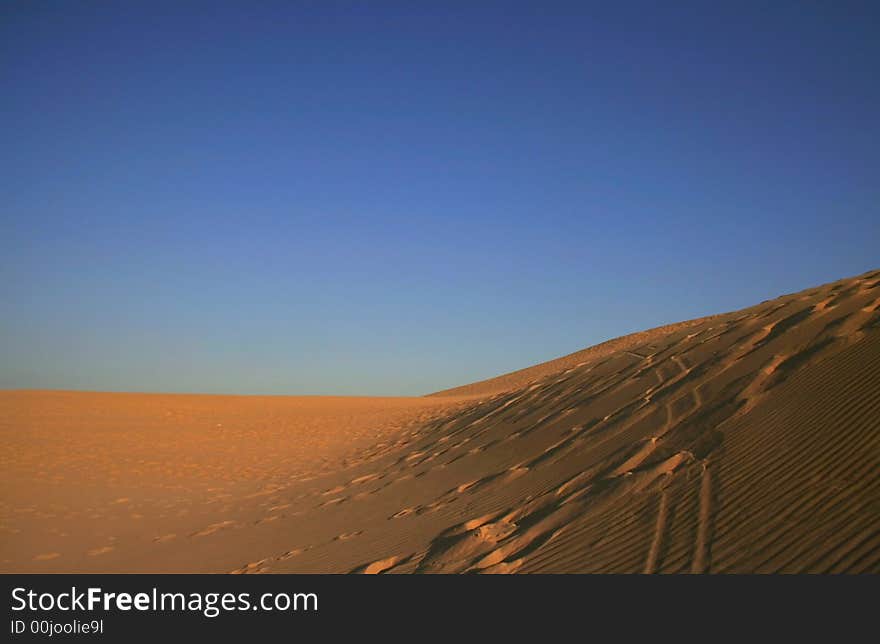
(744, 442)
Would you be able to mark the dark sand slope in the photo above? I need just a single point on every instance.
(744, 442)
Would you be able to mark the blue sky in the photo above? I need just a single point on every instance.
(394, 198)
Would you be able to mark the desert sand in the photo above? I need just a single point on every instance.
(743, 442)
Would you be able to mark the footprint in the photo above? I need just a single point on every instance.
(99, 551)
(364, 479)
(403, 513)
(455, 551)
(291, 553)
(164, 538)
(214, 527)
(252, 568)
(378, 567)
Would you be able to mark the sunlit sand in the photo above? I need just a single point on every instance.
(742, 442)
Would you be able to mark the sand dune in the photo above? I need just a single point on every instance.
(743, 442)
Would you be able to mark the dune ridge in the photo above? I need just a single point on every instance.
(742, 442)
(529, 375)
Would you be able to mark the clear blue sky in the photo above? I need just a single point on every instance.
(393, 198)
